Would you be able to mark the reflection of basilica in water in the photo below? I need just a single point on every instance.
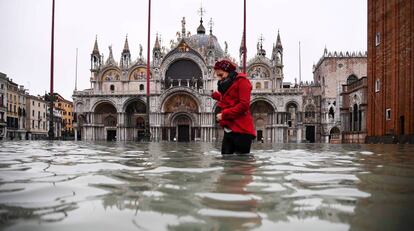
(181, 82)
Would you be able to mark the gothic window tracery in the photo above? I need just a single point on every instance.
(331, 113)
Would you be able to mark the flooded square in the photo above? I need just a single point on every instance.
(188, 186)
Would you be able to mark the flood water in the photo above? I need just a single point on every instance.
(178, 186)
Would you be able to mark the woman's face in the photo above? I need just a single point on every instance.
(220, 74)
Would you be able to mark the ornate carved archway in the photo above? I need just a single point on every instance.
(106, 119)
(262, 112)
(103, 111)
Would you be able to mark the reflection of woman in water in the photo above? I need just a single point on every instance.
(232, 183)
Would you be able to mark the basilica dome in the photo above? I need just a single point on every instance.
(202, 41)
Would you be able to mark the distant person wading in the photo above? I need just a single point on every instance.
(234, 116)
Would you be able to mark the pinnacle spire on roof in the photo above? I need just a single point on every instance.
(157, 42)
(126, 45)
(278, 41)
(95, 46)
(242, 44)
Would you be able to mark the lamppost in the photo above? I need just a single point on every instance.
(51, 132)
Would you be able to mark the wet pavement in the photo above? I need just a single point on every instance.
(187, 186)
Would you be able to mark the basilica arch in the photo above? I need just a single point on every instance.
(184, 124)
(172, 71)
(135, 119)
(293, 120)
(263, 113)
(183, 72)
(106, 120)
(181, 111)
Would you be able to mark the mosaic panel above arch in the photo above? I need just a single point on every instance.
(181, 102)
(258, 71)
(139, 73)
(111, 75)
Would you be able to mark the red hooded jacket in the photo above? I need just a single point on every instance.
(235, 106)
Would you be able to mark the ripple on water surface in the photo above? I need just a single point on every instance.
(172, 186)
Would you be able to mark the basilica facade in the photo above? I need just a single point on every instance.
(181, 82)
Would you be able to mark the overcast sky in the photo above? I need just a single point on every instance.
(25, 25)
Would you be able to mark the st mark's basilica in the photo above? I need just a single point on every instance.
(181, 82)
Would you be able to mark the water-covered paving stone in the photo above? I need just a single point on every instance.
(187, 186)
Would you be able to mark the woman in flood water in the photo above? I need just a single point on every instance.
(234, 116)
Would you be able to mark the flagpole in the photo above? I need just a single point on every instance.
(244, 38)
(76, 71)
(51, 132)
(300, 66)
(148, 134)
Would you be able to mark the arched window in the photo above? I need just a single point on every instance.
(112, 88)
(351, 79)
(258, 85)
(331, 113)
(292, 111)
(184, 70)
(141, 87)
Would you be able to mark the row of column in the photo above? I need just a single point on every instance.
(278, 118)
(182, 82)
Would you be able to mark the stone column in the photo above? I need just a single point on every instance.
(298, 134)
(118, 126)
(363, 125)
(76, 134)
(352, 122)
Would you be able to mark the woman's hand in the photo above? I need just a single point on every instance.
(216, 95)
(218, 117)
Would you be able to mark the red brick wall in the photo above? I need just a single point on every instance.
(392, 63)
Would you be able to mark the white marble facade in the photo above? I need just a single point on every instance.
(181, 81)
